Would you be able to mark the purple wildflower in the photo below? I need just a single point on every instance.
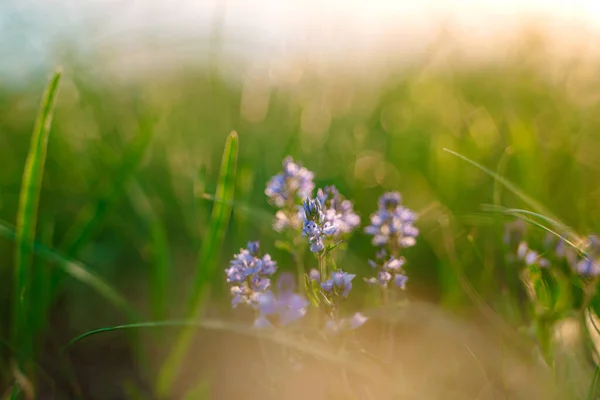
(390, 270)
(316, 228)
(294, 182)
(337, 210)
(340, 281)
(249, 275)
(287, 306)
(392, 224)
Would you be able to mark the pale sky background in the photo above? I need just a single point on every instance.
(32, 31)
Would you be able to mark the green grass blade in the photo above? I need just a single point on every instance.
(560, 230)
(207, 262)
(27, 219)
(160, 273)
(90, 217)
(41, 280)
(509, 185)
(76, 270)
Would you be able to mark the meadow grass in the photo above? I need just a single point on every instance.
(137, 206)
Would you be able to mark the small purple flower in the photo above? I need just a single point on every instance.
(342, 281)
(338, 211)
(391, 269)
(314, 275)
(531, 257)
(384, 277)
(291, 308)
(392, 223)
(249, 275)
(588, 267)
(400, 281)
(522, 250)
(287, 306)
(294, 182)
(253, 248)
(394, 264)
(327, 285)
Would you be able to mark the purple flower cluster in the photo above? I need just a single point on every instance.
(390, 269)
(316, 227)
(556, 250)
(339, 284)
(335, 289)
(249, 275)
(337, 210)
(531, 257)
(286, 307)
(392, 224)
(324, 221)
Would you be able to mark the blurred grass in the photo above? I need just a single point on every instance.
(127, 175)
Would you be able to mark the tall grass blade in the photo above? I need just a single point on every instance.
(21, 330)
(41, 280)
(77, 271)
(207, 262)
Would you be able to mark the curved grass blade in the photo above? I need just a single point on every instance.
(569, 236)
(509, 185)
(76, 270)
(21, 331)
(207, 262)
(556, 224)
(316, 350)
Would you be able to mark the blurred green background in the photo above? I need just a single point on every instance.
(132, 165)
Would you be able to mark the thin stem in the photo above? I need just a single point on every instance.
(298, 257)
(322, 266)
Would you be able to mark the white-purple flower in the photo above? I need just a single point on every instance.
(249, 275)
(588, 267)
(390, 270)
(531, 257)
(285, 308)
(337, 210)
(315, 227)
(340, 281)
(293, 183)
(392, 224)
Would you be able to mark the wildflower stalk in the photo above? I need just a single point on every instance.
(322, 266)
(298, 257)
